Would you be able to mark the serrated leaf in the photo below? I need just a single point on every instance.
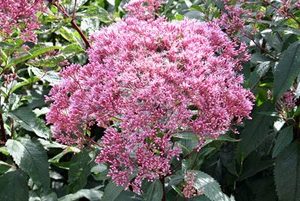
(90, 194)
(285, 137)
(13, 187)
(272, 39)
(258, 73)
(28, 120)
(154, 191)
(287, 173)
(31, 157)
(210, 188)
(287, 69)
(80, 169)
(111, 192)
(256, 130)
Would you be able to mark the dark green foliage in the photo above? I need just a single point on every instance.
(287, 173)
(13, 186)
(31, 157)
(287, 69)
(154, 191)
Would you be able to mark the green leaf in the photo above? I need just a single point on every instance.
(194, 14)
(33, 53)
(263, 188)
(128, 196)
(111, 192)
(96, 12)
(99, 172)
(256, 130)
(227, 158)
(80, 169)
(258, 73)
(56, 159)
(297, 92)
(154, 191)
(28, 120)
(50, 197)
(25, 82)
(199, 198)
(211, 189)
(69, 35)
(53, 61)
(3, 56)
(117, 4)
(224, 138)
(90, 194)
(186, 136)
(188, 3)
(49, 76)
(250, 170)
(272, 39)
(285, 137)
(31, 157)
(3, 150)
(4, 167)
(287, 173)
(13, 187)
(287, 69)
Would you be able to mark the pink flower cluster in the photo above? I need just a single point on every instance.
(20, 15)
(233, 18)
(142, 9)
(145, 81)
(189, 190)
(236, 15)
(289, 100)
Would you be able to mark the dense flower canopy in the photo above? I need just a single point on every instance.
(20, 15)
(146, 80)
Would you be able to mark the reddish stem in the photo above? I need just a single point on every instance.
(73, 23)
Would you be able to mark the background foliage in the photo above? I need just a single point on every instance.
(262, 163)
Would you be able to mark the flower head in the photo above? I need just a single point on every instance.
(145, 81)
(142, 9)
(189, 189)
(21, 15)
